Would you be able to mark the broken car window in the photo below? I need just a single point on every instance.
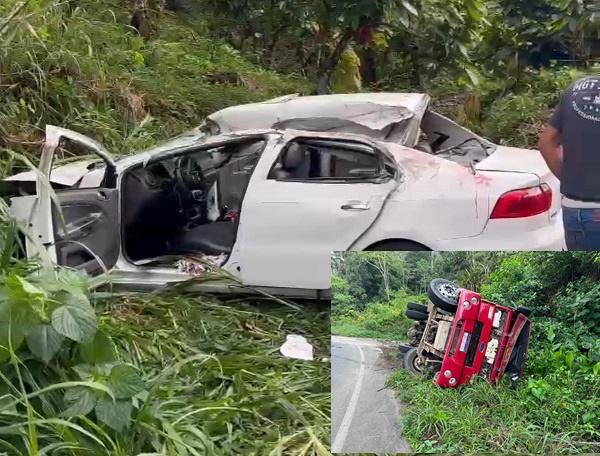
(327, 160)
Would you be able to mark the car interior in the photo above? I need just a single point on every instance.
(444, 138)
(187, 204)
(327, 160)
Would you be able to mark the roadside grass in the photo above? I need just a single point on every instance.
(248, 399)
(378, 320)
(85, 373)
(354, 330)
(481, 418)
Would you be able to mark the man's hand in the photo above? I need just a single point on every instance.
(551, 149)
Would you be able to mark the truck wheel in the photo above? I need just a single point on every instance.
(443, 294)
(411, 362)
(418, 307)
(416, 315)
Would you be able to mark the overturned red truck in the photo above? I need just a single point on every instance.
(459, 335)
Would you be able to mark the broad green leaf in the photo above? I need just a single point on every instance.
(80, 402)
(115, 414)
(125, 381)
(63, 279)
(75, 322)
(100, 350)
(44, 342)
(23, 302)
(569, 358)
(18, 286)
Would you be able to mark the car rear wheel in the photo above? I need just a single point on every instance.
(397, 246)
(418, 307)
(416, 315)
(412, 363)
(443, 294)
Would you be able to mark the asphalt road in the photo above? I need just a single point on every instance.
(365, 415)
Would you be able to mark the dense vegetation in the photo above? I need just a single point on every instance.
(196, 375)
(556, 407)
(170, 374)
(132, 72)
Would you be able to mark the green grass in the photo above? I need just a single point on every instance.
(353, 330)
(481, 418)
(248, 399)
(86, 69)
(378, 320)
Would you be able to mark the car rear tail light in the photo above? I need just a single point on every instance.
(524, 202)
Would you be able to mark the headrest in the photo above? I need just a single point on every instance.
(293, 156)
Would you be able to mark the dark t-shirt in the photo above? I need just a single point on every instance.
(577, 118)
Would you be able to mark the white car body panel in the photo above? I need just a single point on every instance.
(278, 218)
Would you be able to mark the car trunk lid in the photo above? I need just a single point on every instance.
(527, 168)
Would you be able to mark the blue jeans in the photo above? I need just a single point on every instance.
(582, 228)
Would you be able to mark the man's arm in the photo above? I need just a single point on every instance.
(551, 149)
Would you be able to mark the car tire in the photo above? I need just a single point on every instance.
(397, 246)
(443, 294)
(416, 315)
(411, 362)
(418, 307)
(524, 310)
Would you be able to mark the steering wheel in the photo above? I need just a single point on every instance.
(189, 174)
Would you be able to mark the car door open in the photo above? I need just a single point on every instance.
(315, 194)
(78, 226)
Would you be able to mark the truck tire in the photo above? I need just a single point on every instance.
(418, 307)
(411, 362)
(443, 294)
(416, 315)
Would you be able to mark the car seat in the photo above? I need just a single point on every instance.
(293, 164)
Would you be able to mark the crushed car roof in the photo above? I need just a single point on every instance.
(371, 114)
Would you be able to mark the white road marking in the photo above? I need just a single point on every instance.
(340, 438)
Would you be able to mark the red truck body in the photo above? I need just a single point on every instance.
(482, 341)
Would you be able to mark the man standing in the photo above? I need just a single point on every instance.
(570, 144)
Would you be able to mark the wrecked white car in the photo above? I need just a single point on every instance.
(330, 173)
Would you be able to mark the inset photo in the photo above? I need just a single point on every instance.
(465, 352)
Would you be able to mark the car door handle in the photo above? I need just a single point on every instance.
(355, 206)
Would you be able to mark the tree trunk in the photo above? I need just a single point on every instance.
(270, 55)
(368, 66)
